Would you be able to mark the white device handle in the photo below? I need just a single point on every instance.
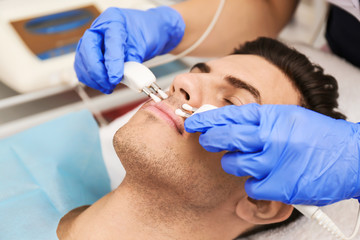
(137, 76)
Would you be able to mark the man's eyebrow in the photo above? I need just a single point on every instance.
(233, 81)
(238, 83)
(203, 67)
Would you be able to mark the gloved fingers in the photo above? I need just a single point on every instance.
(245, 114)
(109, 15)
(277, 191)
(132, 54)
(89, 52)
(136, 45)
(232, 137)
(271, 191)
(254, 190)
(144, 45)
(258, 189)
(84, 76)
(115, 39)
(245, 164)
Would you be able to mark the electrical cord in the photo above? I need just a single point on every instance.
(316, 214)
(323, 220)
(87, 102)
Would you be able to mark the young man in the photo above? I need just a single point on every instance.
(174, 188)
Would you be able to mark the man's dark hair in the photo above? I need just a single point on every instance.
(319, 91)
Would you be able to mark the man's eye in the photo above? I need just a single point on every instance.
(228, 101)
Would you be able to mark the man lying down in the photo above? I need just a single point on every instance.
(175, 189)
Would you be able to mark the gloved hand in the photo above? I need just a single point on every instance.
(121, 35)
(294, 155)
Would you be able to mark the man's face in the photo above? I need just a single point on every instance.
(157, 152)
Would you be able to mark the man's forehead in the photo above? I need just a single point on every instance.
(240, 61)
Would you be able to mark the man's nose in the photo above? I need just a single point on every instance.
(187, 87)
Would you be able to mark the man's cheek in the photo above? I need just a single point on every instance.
(191, 147)
(194, 144)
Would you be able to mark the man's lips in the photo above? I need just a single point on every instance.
(166, 113)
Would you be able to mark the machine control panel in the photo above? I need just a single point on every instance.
(55, 34)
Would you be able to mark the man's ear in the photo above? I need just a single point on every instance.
(261, 211)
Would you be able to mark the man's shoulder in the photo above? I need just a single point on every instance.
(63, 230)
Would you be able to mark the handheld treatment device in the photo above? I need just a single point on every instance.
(140, 79)
(311, 212)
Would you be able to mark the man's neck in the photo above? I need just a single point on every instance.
(136, 212)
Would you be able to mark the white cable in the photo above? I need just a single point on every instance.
(171, 58)
(315, 213)
(357, 226)
(87, 102)
(329, 225)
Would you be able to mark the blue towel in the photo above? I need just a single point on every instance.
(45, 172)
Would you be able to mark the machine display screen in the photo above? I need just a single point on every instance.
(56, 34)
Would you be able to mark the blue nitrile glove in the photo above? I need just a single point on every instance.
(294, 155)
(121, 35)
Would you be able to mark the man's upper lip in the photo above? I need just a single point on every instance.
(170, 112)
